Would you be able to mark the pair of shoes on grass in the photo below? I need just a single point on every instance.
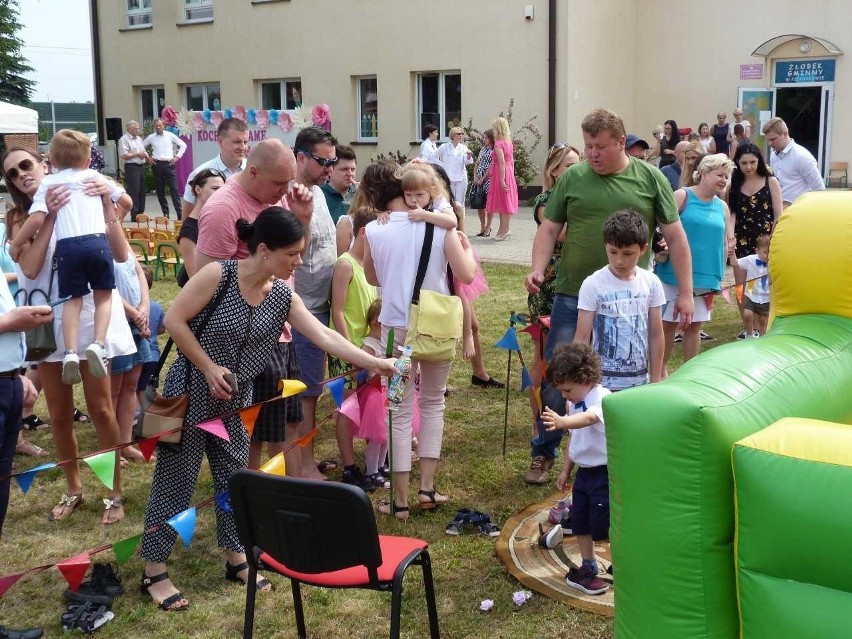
(467, 518)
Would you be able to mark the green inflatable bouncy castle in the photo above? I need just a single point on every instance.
(670, 444)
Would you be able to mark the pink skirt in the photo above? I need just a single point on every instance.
(477, 287)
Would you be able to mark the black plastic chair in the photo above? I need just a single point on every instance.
(293, 527)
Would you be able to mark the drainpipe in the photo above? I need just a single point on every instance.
(551, 73)
(96, 65)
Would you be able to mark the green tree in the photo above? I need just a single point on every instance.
(14, 87)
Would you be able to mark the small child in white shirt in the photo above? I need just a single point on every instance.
(82, 253)
(756, 293)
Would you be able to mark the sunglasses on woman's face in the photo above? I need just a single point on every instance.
(24, 165)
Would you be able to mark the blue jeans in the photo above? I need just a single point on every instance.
(563, 325)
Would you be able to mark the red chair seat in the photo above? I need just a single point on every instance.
(394, 551)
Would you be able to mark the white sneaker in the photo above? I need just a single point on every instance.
(98, 362)
(71, 369)
(756, 334)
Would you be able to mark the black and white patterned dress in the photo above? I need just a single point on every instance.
(239, 337)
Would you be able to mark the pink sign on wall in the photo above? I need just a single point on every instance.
(751, 71)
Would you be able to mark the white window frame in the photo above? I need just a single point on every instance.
(140, 12)
(204, 95)
(197, 10)
(156, 110)
(359, 125)
(283, 90)
(442, 102)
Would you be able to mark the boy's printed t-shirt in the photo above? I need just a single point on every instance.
(588, 445)
(620, 326)
(757, 278)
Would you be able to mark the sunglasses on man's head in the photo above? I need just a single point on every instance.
(323, 162)
(24, 165)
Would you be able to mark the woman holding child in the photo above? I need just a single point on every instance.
(709, 231)
(226, 322)
(24, 172)
(390, 261)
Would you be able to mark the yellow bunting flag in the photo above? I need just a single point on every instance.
(275, 466)
(249, 417)
(290, 387)
(537, 394)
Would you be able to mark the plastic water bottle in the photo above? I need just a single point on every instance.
(396, 385)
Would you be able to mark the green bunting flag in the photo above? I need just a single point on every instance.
(103, 466)
(125, 548)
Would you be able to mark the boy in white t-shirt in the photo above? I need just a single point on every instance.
(575, 370)
(620, 307)
(756, 293)
(83, 256)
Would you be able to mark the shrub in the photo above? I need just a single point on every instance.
(525, 139)
(397, 156)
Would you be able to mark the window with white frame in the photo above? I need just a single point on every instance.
(368, 108)
(194, 10)
(203, 96)
(281, 94)
(138, 13)
(439, 100)
(152, 102)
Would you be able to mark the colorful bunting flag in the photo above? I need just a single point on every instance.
(103, 465)
(275, 466)
(726, 293)
(335, 386)
(520, 318)
(25, 479)
(223, 500)
(526, 380)
(351, 409)
(509, 341)
(8, 581)
(290, 387)
(249, 417)
(215, 427)
(534, 331)
(184, 525)
(537, 395)
(74, 569)
(125, 548)
(361, 376)
(148, 446)
(307, 439)
(739, 291)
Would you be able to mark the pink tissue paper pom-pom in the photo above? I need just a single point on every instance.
(284, 121)
(321, 115)
(262, 118)
(169, 116)
(216, 118)
(239, 112)
(198, 120)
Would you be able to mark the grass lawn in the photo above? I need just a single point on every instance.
(473, 472)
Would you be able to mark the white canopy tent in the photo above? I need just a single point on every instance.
(17, 119)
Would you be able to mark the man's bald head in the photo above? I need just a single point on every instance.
(270, 169)
(679, 150)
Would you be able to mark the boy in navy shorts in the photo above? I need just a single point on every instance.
(575, 370)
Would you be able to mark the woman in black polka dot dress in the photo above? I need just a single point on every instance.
(238, 339)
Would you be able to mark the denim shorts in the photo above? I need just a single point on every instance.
(311, 359)
(124, 363)
(83, 262)
(590, 509)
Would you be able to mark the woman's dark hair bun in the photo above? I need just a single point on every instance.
(245, 229)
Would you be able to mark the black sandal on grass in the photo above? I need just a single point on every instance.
(483, 524)
(34, 422)
(231, 572)
(87, 617)
(402, 513)
(433, 499)
(80, 416)
(167, 604)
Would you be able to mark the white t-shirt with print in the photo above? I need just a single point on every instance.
(588, 445)
(620, 326)
(757, 278)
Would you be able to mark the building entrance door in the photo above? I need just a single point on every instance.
(801, 109)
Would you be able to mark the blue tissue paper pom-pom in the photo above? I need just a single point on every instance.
(228, 113)
(273, 116)
(206, 115)
(251, 115)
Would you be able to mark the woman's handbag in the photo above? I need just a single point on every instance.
(41, 340)
(434, 319)
(477, 197)
(160, 414)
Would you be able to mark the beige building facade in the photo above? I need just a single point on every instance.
(386, 67)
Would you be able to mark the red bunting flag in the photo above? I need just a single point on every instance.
(249, 417)
(9, 581)
(74, 569)
(148, 446)
(534, 331)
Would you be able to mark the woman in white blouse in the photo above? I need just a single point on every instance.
(454, 157)
(429, 149)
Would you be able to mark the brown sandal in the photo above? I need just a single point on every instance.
(433, 499)
(115, 503)
(66, 506)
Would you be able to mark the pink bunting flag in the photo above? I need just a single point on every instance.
(534, 331)
(351, 408)
(726, 293)
(9, 581)
(74, 569)
(215, 427)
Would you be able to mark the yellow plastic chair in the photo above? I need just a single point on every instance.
(143, 235)
(168, 254)
(161, 236)
(140, 250)
(143, 220)
(161, 223)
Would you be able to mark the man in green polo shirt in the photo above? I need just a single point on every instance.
(341, 183)
(584, 196)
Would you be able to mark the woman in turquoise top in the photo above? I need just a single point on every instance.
(710, 233)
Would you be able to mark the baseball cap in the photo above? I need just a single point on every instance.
(635, 139)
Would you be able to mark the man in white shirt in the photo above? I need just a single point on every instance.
(132, 150)
(233, 136)
(794, 166)
(165, 156)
